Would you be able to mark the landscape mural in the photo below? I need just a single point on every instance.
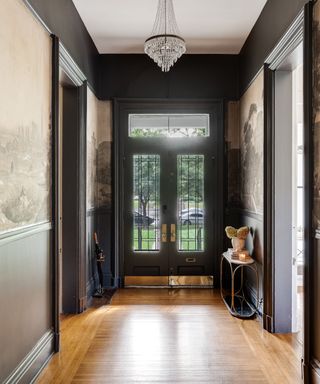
(251, 147)
(92, 129)
(99, 126)
(316, 115)
(104, 156)
(25, 131)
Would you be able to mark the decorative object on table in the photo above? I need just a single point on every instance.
(165, 46)
(242, 255)
(100, 258)
(237, 236)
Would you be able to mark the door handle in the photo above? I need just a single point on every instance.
(164, 233)
(172, 233)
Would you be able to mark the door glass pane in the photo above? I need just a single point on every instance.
(169, 125)
(191, 210)
(146, 179)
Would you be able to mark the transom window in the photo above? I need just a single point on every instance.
(169, 125)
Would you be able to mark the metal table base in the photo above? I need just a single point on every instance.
(235, 299)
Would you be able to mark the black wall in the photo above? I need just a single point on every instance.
(193, 76)
(272, 23)
(62, 18)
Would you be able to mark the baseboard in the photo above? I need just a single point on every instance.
(267, 323)
(315, 371)
(83, 304)
(29, 369)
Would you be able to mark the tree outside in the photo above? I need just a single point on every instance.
(147, 201)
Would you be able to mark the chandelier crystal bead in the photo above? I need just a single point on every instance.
(165, 46)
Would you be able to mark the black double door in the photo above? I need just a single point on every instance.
(170, 194)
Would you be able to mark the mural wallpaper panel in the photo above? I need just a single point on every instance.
(316, 117)
(232, 138)
(25, 131)
(99, 140)
(104, 170)
(251, 147)
(92, 133)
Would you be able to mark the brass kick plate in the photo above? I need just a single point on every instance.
(168, 281)
(191, 281)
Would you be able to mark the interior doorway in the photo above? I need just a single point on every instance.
(288, 175)
(170, 193)
(289, 193)
(298, 191)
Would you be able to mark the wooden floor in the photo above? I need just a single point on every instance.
(169, 336)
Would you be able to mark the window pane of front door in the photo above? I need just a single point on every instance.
(146, 200)
(191, 210)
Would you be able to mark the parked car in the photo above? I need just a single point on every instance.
(142, 220)
(192, 216)
(190, 211)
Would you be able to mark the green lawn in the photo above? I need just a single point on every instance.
(188, 234)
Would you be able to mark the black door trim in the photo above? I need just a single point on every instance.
(300, 30)
(309, 180)
(55, 191)
(62, 59)
(75, 237)
(119, 105)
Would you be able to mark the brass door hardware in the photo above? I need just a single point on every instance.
(172, 233)
(164, 233)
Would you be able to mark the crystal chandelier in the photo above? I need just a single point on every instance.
(165, 46)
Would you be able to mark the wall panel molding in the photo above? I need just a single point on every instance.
(37, 16)
(21, 233)
(29, 368)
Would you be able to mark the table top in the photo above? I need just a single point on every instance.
(249, 260)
